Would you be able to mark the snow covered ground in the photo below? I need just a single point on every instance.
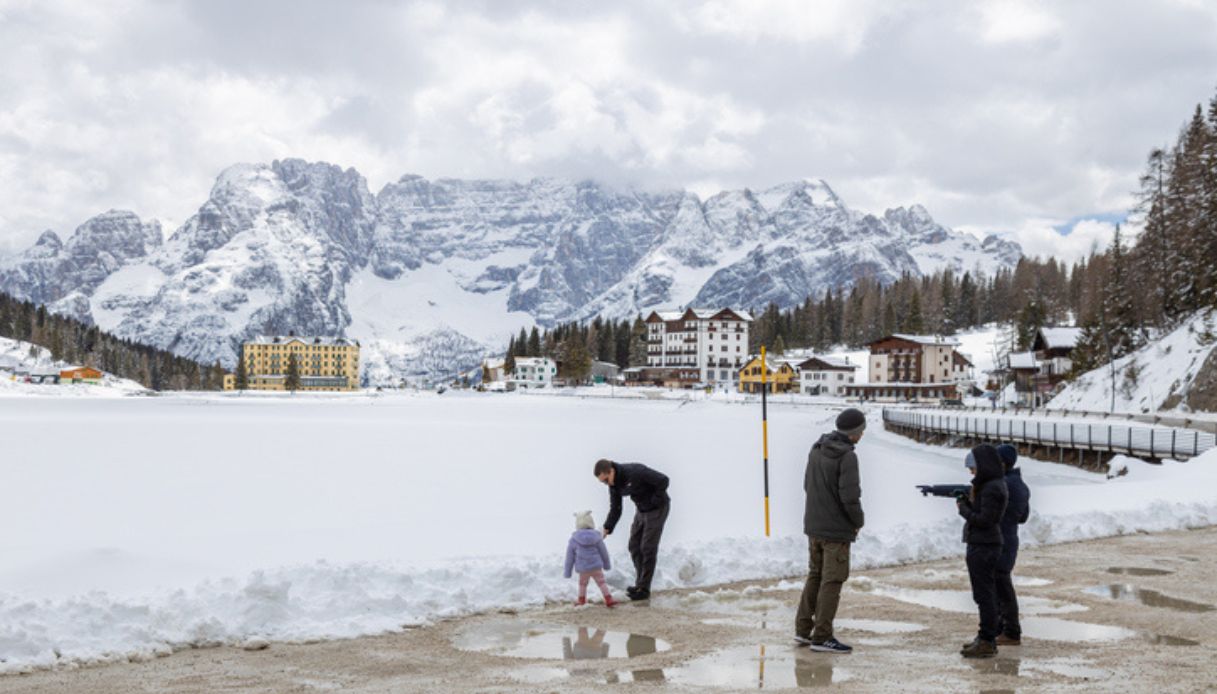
(134, 526)
(1147, 378)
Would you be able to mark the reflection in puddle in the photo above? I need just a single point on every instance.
(1151, 598)
(523, 640)
(1138, 571)
(961, 600)
(761, 667)
(1031, 581)
(545, 675)
(1055, 629)
(1165, 640)
(653, 675)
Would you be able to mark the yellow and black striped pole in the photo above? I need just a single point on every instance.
(765, 432)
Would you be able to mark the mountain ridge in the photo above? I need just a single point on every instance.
(450, 264)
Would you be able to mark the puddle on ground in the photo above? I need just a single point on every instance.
(878, 626)
(1165, 640)
(1075, 668)
(1067, 630)
(961, 600)
(1031, 581)
(1125, 592)
(545, 675)
(1138, 571)
(524, 640)
(761, 667)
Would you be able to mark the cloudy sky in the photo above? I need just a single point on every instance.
(1007, 116)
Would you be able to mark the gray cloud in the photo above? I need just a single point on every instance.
(1006, 115)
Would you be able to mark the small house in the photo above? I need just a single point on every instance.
(80, 374)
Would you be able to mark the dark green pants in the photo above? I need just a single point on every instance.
(828, 570)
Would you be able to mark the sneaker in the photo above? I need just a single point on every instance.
(831, 646)
(580, 602)
(802, 640)
(1003, 640)
(980, 649)
(609, 601)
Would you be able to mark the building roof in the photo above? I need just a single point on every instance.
(303, 339)
(699, 314)
(531, 361)
(1060, 338)
(826, 363)
(1022, 360)
(925, 339)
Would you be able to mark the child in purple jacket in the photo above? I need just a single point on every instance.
(587, 554)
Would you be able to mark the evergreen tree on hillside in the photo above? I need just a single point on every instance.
(1120, 308)
(534, 343)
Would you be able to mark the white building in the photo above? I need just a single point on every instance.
(534, 372)
(698, 345)
(493, 369)
(825, 375)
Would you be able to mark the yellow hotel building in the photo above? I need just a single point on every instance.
(326, 363)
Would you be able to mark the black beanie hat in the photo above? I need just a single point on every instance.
(851, 422)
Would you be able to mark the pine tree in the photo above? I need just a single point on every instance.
(242, 379)
(638, 343)
(534, 343)
(1120, 309)
(292, 379)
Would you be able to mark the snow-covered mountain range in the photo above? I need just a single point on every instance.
(430, 275)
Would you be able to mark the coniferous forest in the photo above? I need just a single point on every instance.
(75, 342)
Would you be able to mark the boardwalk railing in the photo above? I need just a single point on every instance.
(1140, 441)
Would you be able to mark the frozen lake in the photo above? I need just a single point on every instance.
(294, 517)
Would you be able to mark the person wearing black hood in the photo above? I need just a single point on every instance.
(982, 511)
(1010, 633)
(831, 520)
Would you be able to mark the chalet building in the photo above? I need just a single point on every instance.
(823, 375)
(780, 375)
(1053, 348)
(493, 369)
(917, 368)
(1037, 374)
(605, 372)
(534, 372)
(324, 363)
(80, 374)
(696, 346)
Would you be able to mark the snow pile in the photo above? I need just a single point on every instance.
(325, 518)
(1155, 377)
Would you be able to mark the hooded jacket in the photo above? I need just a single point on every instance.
(982, 511)
(586, 552)
(834, 492)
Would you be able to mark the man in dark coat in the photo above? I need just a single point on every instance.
(1017, 511)
(831, 520)
(982, 511)
(649, 490)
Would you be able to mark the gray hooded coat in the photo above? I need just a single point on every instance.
(834, 493)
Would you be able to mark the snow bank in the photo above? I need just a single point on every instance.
(1146, 379)
(308, 519)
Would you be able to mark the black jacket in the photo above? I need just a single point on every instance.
(1019, 507)
(984, 509)
(648, 488)
(834, 493)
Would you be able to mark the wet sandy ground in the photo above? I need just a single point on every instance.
(1130, 614)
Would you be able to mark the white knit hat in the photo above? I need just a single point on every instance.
(584, 521)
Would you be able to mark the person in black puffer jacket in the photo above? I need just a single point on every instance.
(982, 511)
